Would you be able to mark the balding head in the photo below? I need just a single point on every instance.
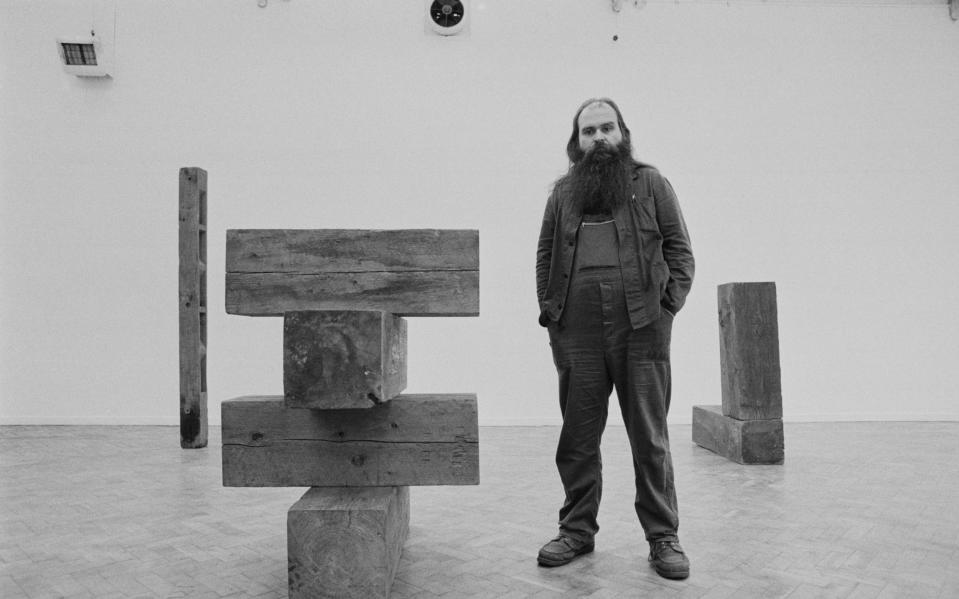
(598, 120)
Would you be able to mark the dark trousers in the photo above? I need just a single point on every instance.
(595, 349)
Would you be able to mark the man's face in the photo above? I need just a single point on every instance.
(598, 125)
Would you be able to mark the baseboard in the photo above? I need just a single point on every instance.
(89, 421)
(676, 419)
(872, 417)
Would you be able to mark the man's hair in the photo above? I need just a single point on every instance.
(573, 150)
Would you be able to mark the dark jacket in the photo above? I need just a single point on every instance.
(654, 250)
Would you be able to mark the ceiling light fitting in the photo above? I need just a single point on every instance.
(84, 56)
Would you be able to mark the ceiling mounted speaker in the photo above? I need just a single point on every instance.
(447, 17)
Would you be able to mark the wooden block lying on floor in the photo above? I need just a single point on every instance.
(411, 440)
(416, 272)
(743, 441)
(346, 542)
(342, 358)
(749, 351)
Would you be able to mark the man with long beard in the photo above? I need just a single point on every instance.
(613, 267)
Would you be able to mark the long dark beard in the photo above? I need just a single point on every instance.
(600, 182)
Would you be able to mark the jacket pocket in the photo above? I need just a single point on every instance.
(646, 213)
(660, 274)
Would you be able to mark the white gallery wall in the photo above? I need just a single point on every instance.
(811, 144)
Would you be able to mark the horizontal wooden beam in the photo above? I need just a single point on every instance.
(346, 542)
(442, 293)
(414, 272)
(743, 441)
(351, 250)
(411, 440)
(339, 359)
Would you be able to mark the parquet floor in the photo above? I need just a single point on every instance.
(859, 510)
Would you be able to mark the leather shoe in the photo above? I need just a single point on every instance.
(669, 559)
(562, 550)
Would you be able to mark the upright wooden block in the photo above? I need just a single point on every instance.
(339, 359)
(743, 441)
(749, 351)
(193, 305)
(416, 272)
(346, 542)
(411, 440)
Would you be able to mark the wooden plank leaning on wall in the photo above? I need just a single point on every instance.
(193, 308)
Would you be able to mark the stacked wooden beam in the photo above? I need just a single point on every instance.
(343, 426)
(748, 427)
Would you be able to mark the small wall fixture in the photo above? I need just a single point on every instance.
(84, 56)
(447, 17)
(618, 4)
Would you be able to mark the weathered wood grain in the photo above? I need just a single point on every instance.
(340, 359)
(351, 250)
(425, 293)
(749, 351)
(346, 542)
(192, 287)
(743, 441)
(410, 440)
(419, 272)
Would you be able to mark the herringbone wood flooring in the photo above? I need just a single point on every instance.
(863, 510)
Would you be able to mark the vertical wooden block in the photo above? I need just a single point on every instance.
(340, 359)
(193, 306)
(749, 351)
(743, 441)
(346, 542)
